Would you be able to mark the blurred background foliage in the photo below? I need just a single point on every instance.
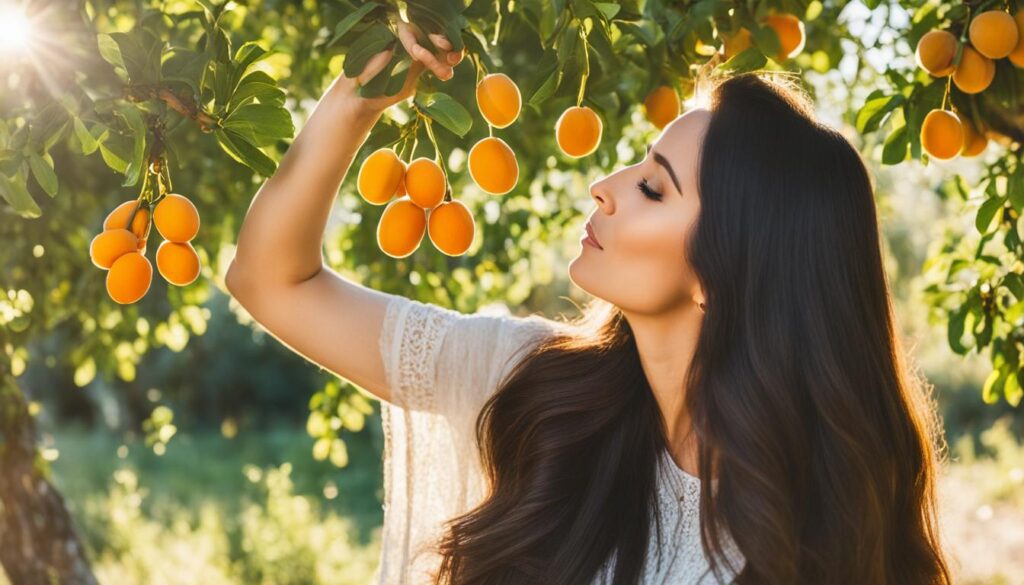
(177, 429)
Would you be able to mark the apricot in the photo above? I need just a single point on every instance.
(993, 33)
(975, 71)
(425, 183)
(790, 31)
(1016, 56)
(578, 131)
(974, 141)
(129, 278)
(118, 219)
(498, 99)
(450, 227)
(401, 228)
(110, 245)
(379, 176)
(942, 135)
(176, 218)
(177, 262)
(935, 52)
(736, 43)
(493, 165)
(662, 106)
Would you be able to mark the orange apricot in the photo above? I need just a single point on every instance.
(498, 99)
(110, 245)
(129, 278)
(935, 52)
(450, 227)
(425, 183)
(974, 141)
(118, 218)
(790, 31)
(379, 176)
(993, 33)
(942, 135)
(1016, 56)
(578, 131)
(401, 228)
(737, 42)
(176, 218)
(662, 106)
(975, 71)
(177, 262)
(493, 165)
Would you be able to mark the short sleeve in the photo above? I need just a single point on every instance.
(445, 362)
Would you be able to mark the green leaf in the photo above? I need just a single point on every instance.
(43, 172)
(138, 154)
(256, 85)
(993, 386)
(349, 21)
(955, 329)
(894, 151)
(15, 193)
(446, 111)
(140, 53)
(870, 117)
(374, 40)
(245, 152)
(1012, 390)
(987, 212)
(116, 152)
(266, 122)
(748, 59)
(608, 9)
(85, 138)
(110, 51)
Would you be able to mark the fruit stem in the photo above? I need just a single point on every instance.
(586, 64)
(945, 95)
(497, 23)
(437, 149)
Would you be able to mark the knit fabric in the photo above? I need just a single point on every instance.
(441, 366)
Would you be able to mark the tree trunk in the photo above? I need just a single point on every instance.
(38, 543)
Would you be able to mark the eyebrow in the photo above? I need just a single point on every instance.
(664, 162)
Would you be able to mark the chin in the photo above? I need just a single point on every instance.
(578, 275)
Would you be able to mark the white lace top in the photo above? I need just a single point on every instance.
(441, 366)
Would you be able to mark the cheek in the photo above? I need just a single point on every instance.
(644, 270)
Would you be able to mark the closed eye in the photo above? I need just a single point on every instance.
(647, 191)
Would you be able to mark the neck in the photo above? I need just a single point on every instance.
(666, 342)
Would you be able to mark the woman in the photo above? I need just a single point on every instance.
(733, 406)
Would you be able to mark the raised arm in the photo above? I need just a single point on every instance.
(278, 273)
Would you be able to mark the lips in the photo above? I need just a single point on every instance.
(590, 232)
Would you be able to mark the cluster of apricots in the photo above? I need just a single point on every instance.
(993, 34)
(417, 194)
(662, 104)
(788, 28)
(120, 248)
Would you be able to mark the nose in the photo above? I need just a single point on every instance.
(600, 194)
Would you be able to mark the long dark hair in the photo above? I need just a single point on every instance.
(823, 440)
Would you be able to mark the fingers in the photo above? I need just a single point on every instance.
(443, 71)
(374, 66)
(441, 41)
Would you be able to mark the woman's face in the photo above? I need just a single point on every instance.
(641, 266)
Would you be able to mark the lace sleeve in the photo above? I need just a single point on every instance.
(441, 361)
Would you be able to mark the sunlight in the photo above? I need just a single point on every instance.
(15, 30)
